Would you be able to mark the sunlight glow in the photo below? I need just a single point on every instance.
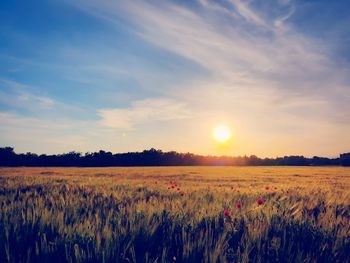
(222, 133)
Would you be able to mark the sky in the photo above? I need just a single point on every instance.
(85, 75)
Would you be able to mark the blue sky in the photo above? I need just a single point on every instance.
(131, 75)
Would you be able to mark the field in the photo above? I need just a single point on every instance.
(175, 214)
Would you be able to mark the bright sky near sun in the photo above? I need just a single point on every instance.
(222, 133)
(130, 75)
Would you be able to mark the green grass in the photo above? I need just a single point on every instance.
(130, 215)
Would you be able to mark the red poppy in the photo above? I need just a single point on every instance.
(178, 189)
(238, 205)
(182, 194)
(267, 188)
(231, 187)
(172, 186)
(260, 201)
(227, 213)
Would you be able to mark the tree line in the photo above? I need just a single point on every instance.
(154, 157)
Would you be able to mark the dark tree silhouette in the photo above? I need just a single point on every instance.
(345, 159)
(155, 157)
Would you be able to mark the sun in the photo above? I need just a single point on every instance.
(222, 133)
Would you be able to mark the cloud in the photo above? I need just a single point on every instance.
(144, 111)
(237, 55)
(18, 96)
(231, 49)
(252, 67)
(54, 135)
(11, 120)
(259, 70)
(244, 10)
(36, 134)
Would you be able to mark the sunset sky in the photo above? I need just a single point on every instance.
(128, 75)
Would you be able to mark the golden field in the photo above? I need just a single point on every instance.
(175, 214)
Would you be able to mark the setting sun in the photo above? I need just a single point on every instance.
(222, 133)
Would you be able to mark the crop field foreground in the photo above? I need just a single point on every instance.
(175, 214)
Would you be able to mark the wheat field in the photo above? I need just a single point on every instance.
(175, 214)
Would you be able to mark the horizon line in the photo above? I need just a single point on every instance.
(168, 151)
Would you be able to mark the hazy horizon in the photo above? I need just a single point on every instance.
(205, 155)
(125, 76)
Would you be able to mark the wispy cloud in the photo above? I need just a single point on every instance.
(237, 55)
(227, 47)
(258, 65)
(33, 133)
(48, 135)
(18, 96)
(144, 111)
(246, 12)
(249, 65)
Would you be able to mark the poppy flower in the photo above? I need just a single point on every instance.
(172, 186)
(260, 201)
(231, 187)
(178, 189)
(227, 213)
(182, 194)
(238, 205)
(267, 188)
